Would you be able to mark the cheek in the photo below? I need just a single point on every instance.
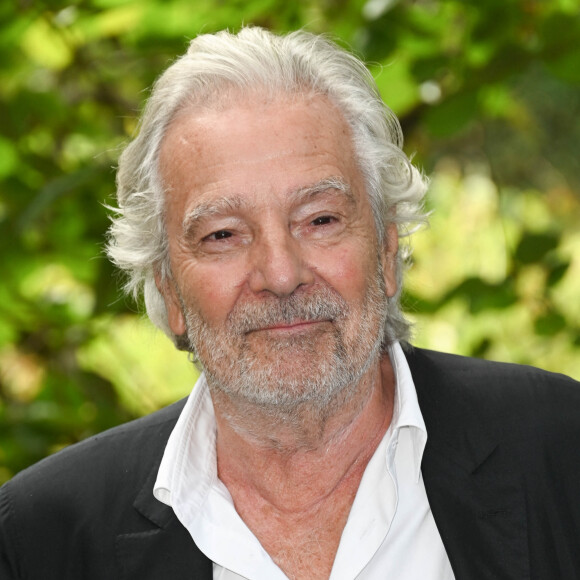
(347, 271)
(212, 290)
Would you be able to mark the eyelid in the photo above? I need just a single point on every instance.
(199, 218)
(324, 205)
(325, 215)
(210, 225)
(215, 232)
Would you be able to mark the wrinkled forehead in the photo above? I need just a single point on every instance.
(257, 148)
(308, 116)
(225, 95)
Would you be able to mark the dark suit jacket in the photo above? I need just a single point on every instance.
(501, 469)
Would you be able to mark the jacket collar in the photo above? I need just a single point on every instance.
(162, 547)
(469, 470)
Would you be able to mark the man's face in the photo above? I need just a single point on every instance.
(278, 278)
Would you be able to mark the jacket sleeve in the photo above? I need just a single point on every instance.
(8, 539)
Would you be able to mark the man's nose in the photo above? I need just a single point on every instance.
(278, 264)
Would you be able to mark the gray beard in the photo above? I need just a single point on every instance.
(324, 367)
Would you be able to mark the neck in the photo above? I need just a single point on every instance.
(298, 457)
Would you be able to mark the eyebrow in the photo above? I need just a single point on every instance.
(227, 204)
(338, 184)
(215, 207)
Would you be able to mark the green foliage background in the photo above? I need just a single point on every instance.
(489, 98)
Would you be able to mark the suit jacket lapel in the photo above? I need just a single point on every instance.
(162, 548)
(471, 477)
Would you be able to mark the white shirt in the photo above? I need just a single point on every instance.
(390, 531)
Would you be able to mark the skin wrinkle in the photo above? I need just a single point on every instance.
(203, 211)
(226, 205)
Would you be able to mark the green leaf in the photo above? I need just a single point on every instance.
(481, 295)
(556, 272)
(534, 247)
(550, 324)
(8, 158)
(452, 115)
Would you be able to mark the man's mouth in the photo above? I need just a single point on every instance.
(294, 327)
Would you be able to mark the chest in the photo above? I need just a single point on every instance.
(303, 544)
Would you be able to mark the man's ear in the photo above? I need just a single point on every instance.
(175, 316)
(389, 258)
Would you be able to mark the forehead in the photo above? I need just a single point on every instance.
(254, 147)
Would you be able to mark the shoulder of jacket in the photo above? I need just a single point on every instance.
(485, 376)
(518, 399)
(124, 452)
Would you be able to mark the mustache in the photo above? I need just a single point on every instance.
(323, 304)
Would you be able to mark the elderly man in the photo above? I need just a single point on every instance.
(260, 210)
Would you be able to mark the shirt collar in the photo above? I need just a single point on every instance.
(406, 411)
(190, 455)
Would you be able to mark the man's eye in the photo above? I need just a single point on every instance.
(219, 235)
(322, 220)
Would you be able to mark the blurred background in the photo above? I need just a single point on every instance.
(488, 94)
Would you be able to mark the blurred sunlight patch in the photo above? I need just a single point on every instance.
(146, 369)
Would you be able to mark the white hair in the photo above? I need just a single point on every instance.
(249, 62)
